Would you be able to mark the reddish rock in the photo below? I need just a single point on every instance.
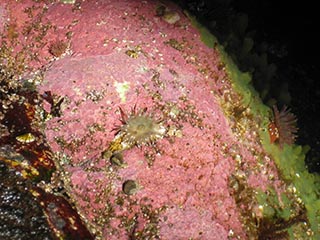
(127, 54)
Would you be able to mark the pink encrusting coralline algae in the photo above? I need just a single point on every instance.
(143, 144)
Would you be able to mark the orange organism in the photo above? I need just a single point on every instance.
(273, 132)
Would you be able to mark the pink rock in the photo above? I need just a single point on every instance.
(122, 54)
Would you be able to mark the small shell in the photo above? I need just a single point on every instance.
(130, 187)
(26, 138)
(171, 17)
(117, 160)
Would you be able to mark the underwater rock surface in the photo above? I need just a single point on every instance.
(106, 60)
(132, 58)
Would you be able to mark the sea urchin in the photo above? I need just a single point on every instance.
(138, 128)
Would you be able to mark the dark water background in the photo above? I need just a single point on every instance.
(283, 59)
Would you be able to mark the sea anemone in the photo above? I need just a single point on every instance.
(283, 129)
(138, 128)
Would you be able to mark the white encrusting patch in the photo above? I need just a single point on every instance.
(122, 88)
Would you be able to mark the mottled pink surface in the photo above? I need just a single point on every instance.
(178, 79)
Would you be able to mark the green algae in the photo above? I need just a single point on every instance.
(289, 160)
(271, 205)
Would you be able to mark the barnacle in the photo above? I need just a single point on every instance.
(58, 48)
(137, 128)
(284, 125)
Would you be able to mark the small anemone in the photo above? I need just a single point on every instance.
(139, 128)
(285, 121)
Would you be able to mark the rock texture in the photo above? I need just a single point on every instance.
(104, 59)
